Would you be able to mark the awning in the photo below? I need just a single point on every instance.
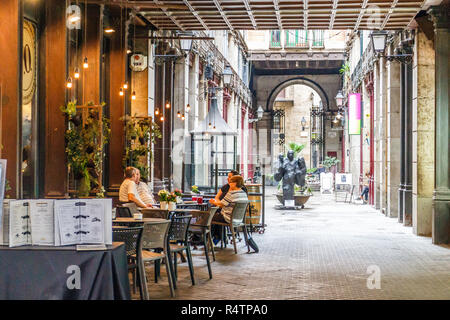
(215, 119)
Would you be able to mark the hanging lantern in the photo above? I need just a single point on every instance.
(121, 92)
(69, 83)
(77, 73)
(133, 95)
(85, 63)
(125, 85)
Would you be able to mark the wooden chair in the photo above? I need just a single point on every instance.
(237, 220)
(201, 226)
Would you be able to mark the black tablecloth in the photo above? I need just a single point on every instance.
(50, 273)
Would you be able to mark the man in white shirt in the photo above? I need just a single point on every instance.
(128, 191)
(143, 190)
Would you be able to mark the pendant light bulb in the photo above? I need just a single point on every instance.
(85, 63)
(209, 126)
(179, 114)
(76, 74)
(157, 111)
(167, 105)
(133, 95)
(214, 128)
(182, 117)
(69, 83)
(188, 108)
(125, 85)
(121, 92)
(162, 119)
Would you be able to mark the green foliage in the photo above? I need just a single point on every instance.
(84, 146)
(296, 147)
(140, 133)
(330, 161)
(311, 170)
(345, 68)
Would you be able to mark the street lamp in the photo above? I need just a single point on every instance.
(186, 43)
(260, 114)
(227, 74)
(379, 41)
(339, 98)
(303, 122)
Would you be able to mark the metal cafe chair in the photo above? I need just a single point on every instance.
(179, 242)
(201, 226)
(155, 237)
(237, 220)
(132, 237)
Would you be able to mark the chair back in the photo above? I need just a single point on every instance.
(131, 236)
(123, 212)
(178, 230)
(155, 213)
(132, 206)
(238, 213)
(155, 235)
(203, 218)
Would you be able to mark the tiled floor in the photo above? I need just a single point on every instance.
(321, 252)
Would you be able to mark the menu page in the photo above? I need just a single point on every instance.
(19, 226)
(42, 222)
(92, 216)
(68, 217)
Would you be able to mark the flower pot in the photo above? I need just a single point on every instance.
(300, 199)
(164, 205)
(172, 206)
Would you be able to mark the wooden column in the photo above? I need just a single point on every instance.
(10, 82)
(92, 51)
(116, 104)
(54, 92)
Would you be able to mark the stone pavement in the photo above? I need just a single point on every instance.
(321, 252)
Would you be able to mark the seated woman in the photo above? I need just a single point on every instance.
(233, 195)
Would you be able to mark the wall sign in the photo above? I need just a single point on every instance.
(28, 62)
(354, 113)
(138, 62)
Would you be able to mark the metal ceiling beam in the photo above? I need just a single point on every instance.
(250, 13)
(186, 2)
(224, 17)
(170, 16)
(277, 13)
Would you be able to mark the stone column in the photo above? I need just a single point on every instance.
(441, 195)
(407, 193)
(376, 133)
(393, 135)
(423, 134)
(382, 135)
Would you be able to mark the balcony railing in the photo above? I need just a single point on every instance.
(275, 39)
(302, 39)
(317, 41)
(296, 39)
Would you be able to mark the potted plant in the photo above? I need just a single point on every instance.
(330, 164)
(195, 191)
(163, 199)
(172, 201)
(178, 194)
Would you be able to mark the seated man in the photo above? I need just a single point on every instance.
(234, 194)
(128, 191)
(143, 190)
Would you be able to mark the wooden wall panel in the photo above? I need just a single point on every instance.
(54, 33)
(10, 62)
(116, 106)
(93, 53)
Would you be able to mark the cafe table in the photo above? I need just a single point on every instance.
(63, 273)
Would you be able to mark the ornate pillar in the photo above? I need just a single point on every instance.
(441, 196)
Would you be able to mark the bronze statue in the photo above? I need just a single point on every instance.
(291, 172)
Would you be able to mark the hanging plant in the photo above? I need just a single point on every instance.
(140, 133)
(84, 146)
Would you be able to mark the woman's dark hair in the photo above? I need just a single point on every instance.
(238, 180)
(234, 172)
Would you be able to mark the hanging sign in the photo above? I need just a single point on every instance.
(354, 113)
(138, 62)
